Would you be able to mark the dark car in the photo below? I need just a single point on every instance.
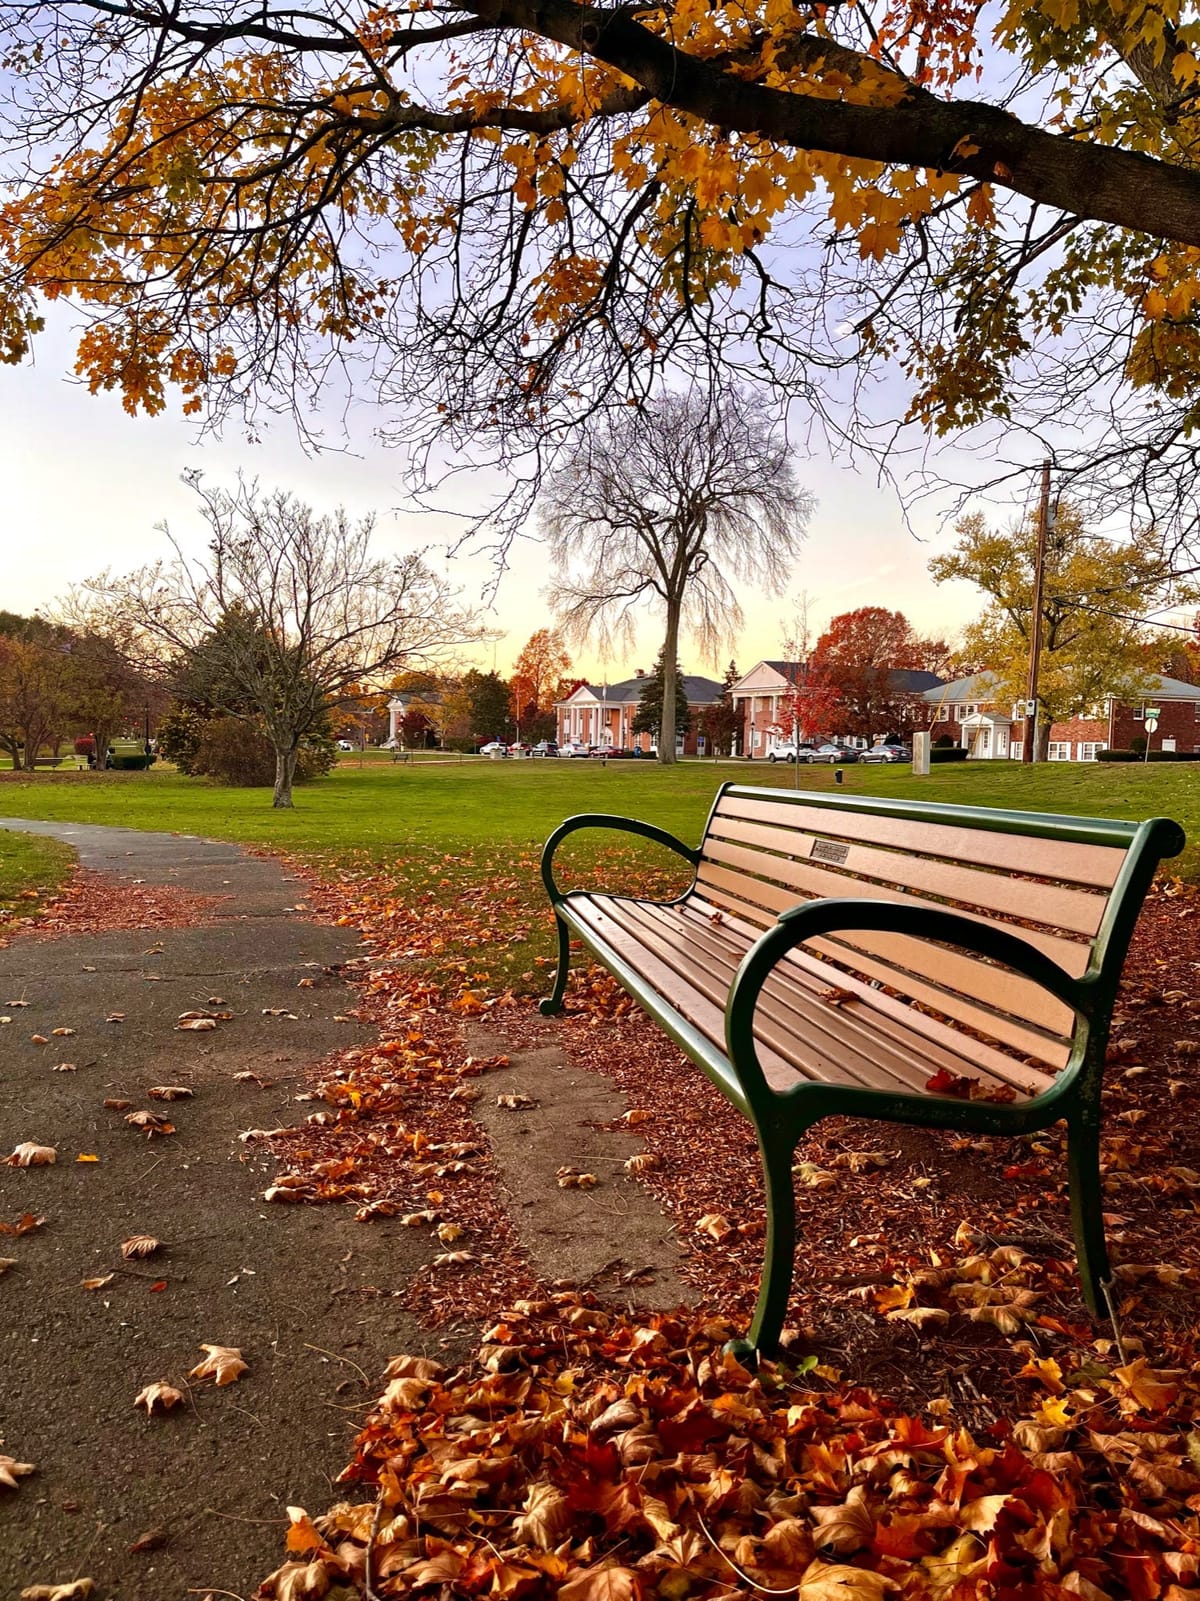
(886, 753)
(833, 753)
(546, 747)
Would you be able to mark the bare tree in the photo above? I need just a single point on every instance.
(287, 615)
(673, 505)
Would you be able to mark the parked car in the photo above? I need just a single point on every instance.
(886, 753)
(344, 744)
(520, 748)
(786, 751)
(546, 747)
(494, 747)
(834, 753)
(574, 748)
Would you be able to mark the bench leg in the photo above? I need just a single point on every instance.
(1087, 1205)
(780, 1254)
(553, 1002)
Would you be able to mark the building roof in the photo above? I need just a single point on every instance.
(700, 691)
(980, 685)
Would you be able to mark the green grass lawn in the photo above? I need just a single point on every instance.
(444, 830)
(30, 870)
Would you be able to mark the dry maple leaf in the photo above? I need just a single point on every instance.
(635, 1116)
(716, 1225)
(223, 1363)
(845, 1528)
(641, 1163)
(25, 1224)
(545, 1519)
(139, 1245)
(170, 1092)
(11, 1470)
(115, 1017)
(298, 1581)
(152, 1540)
(97, 1283)
(150, 1123)
(452, 1258)
(813, 1177)
(569, 1179)
(30, 1154)
(196, 1025)
(513, 1102)
(38, 1039)
(160, 1396)
(449, 1232)
(72, 1590)
(62, 1033)
(606, 1583)
(1150, 1390)
(835, 1581)
(63, 1067)
(415, 1220)
(921, 1317)
(415, 1367)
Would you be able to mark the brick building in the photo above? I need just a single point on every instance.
(965, 711)
(602, 714)
(759, 696)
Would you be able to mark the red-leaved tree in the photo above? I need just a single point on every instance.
(862, 657)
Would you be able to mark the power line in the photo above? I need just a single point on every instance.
(1124, 616)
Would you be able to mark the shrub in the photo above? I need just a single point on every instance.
(947, 753)
(1155, 755)
(943, 742)
(233, 751)
(85, 745)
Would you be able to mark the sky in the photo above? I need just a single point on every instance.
(85, 486)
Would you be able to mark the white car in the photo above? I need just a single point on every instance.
(787, 752)
(344, 744)
(574, 748)
(494, 747)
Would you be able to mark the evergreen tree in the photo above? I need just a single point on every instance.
(720, 721)
(649, 716)
(490, 697)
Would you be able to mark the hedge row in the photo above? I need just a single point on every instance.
(947, 753)
(1155, 756)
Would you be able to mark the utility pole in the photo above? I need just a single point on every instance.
(1035, 633)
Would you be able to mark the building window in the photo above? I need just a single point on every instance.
(1088, 749)
(1139, 713)
(1060, 750)
(1196, 709)
(1016, 749)
(943, 712)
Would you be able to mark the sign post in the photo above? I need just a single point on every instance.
(1150, 725)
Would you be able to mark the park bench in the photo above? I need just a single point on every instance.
(947, 966)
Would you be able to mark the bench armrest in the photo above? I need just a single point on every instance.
(815, 918)
(628, 825)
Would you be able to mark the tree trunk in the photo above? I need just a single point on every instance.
(1041, 749)
(666, 731)
(285, 772)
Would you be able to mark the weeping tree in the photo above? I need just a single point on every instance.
(672, 506)
(285, 616)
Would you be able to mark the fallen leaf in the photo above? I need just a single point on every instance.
(642, 1162)
(97, 1283)
(38, 1039)
(87, 1156)
(152, 1540)
(6, 1262)
(636, 1116)
(62, 1033)
(545, 1518)
(162, 1396)
(449, 1232)
(30, 1154)
(115, 1017)
(63, 1067)
(813, 1177)
(452, 1258)
(73, 1590)
(11, 1470)
(845, 1528)
(25, 1224)
(170, 1092)
(150, 1123)
(600, 1584)
(223, 1363)
(116, 1105)
(825, 1581)
(921, 1317)
(139, 1245)
(513, 1102)
(1147, 1388)
(197, 1025)
(716, 1225)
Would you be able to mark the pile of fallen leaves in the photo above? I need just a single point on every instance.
(93, 903)
(594, 1458)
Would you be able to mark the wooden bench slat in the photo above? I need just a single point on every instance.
(946, 1045)
(848, 1037)
(1062, 860)
(1071, 956)
(1057, 906)
(970, 976)
(804, 1038)
(833, 1043)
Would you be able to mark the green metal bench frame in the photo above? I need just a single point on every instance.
(781, 1118)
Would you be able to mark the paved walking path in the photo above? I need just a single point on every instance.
(276, 1281)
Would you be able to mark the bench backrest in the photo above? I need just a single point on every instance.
(1070, 886)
